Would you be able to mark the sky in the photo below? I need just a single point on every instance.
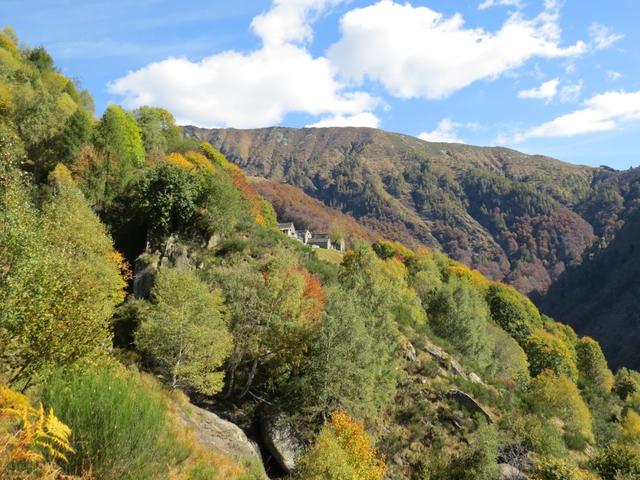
(553, 77)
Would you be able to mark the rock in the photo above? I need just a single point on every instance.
(409, 350)
(455, 365)
(475, 378)
(508, 472)
(470, 404)
(145, 269)
(281, 442)
(220, 435)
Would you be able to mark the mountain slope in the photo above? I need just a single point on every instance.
(511, 215)
(600, 298)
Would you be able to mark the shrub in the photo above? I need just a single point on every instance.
(626, 383)
(615, 462)
(120, 428)
(513, 311)
(551, 468)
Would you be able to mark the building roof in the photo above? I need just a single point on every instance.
(286, 225)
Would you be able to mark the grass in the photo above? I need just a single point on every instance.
(331, 256)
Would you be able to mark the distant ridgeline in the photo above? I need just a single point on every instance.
(391, 363)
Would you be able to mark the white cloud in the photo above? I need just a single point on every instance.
(546, 91)
(613, 75)
(445, 132)
(571, 92)
(255, 89)
(600, 113)
(417, 52)
(601, 36)
(365, 119)
(500, 3)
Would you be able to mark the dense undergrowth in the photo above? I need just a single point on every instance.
(350, 356)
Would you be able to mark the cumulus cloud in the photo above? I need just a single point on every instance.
(365, 119)
(417, 52)
(600, 113)
(500, 3)
(255, 89)
(601, 36)
(546, 91)
(445, 132)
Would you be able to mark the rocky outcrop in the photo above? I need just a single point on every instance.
(470, 404)
(508, 472)
(447, 361)
(281, 442)
(220, 435)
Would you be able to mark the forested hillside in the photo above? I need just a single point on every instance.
(517, 218)
(146, 292)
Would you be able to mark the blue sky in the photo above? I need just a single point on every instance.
(560, 78)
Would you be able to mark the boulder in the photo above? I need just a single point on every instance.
(470, 404)
(508, 472)
(220, 435)
(281, 442)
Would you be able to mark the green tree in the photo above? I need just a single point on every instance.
(513, 311)
(60, 279)
(351, 365)
(158, 128)
(616, 462)
(459, 314)
(593, 371)
(546, 351)
(75, 134)
(184, 331)
(119, 134)
(626, 383)
(552, 395)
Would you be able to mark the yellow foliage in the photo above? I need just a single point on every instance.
(30, 435)
(552, 468)
(342, 450)
(65, 105)
(199, 160)
(460, 270)
(631, 427)
(178, 160)
(395, 269)
(6, 100)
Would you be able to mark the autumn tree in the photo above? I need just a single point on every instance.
(119, 134)
(513, 311)
(184, 331)
(341, 450)
(546, 351)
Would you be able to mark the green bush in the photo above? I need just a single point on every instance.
(615, 462)
(120, 428)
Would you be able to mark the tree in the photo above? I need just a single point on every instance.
(513, 311)
(550, 352)
(60, 279)
(556, 395)
(552, 468)
(626, 383)
(508, 359)
(342, 450)
(349, 367)
(158, 128)
(593, 371)
(184, 331)
(616, 462)
(119, 134)
(75, 134)
(459, 314)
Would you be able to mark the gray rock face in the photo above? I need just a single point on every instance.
(220, 435)
(279, 439)
(508, 472)
(447, 360)
(470, 404)
(146, 268)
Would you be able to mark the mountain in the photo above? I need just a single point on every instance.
(293, 205)
(515, 217)
(523, 219)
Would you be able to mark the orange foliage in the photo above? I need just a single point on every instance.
(353, 438)
(314, 296)
(179, 160)
(248, 191)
